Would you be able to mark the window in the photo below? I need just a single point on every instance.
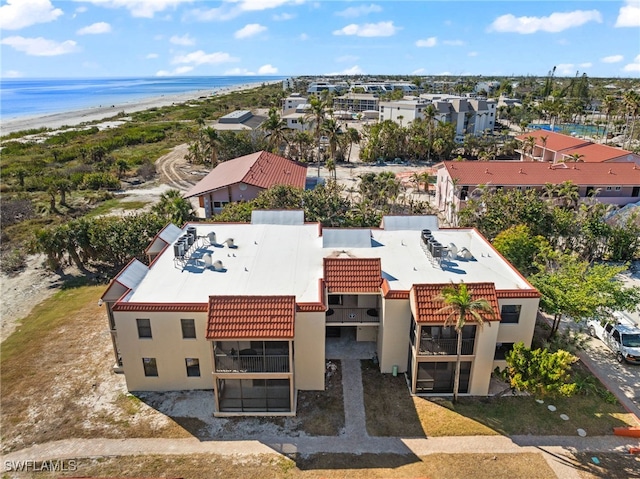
(144, 328)
(501, 350)
(216, 204)
(150, 367)
(618, 188)
(193, 367)
(608, 188)
(510, 313)
(188, 328)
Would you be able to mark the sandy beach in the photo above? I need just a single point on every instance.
(77, 117)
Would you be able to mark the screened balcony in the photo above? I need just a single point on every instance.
(254, 395)
(252, 357)
(438, 340)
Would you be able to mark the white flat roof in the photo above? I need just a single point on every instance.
(272, 259)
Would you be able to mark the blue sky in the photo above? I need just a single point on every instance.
(116, 38)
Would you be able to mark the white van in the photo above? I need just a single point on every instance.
(621, 335)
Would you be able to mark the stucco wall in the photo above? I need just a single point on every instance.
(169, 349)
(393, 334)
(482, 366)
(309, 355)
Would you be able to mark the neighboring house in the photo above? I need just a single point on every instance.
(556, 147)
(615, 183)
(239, 120)
(403, 111)
(242, 179)
(246, 310)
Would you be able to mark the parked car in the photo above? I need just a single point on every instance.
(621, 335)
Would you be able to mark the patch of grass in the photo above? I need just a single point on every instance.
(321, 413)
(392, 411)
(108, 206)
(523, 415)
(327, 466)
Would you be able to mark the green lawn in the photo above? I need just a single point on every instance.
(392, 411)
(108, 206)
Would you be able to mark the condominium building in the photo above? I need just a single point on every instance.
(247, 310)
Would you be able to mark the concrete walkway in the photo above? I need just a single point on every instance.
(354, 439)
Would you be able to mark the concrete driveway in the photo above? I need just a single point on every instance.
(623, 380)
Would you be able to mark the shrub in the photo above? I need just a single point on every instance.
(13, 261)
(96, 181)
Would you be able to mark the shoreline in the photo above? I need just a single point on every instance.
(74, 118)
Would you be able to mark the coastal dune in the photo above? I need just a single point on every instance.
(87, 115)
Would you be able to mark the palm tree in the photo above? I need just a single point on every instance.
(460, 307)
(275, 127)
(609, 105)
(174, 207)
(332, 131)
(543, 140)
(317, 111)
(631, 101)
(353, 136)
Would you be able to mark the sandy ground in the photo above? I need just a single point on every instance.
(76, 117)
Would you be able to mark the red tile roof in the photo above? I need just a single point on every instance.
(595, 153)
(353, 275)
(515, 173)
(427, 310)
(555, 141)
(251, 317)
(162, 307)
(261, 169)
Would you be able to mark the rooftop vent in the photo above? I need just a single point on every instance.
(208, 260)
(212, 238)
(218, 266)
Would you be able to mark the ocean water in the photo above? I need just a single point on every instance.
(21, 97)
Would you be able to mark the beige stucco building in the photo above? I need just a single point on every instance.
(246, 310)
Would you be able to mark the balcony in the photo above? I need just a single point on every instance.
(246, 361)
(352, 315)
(444, 347)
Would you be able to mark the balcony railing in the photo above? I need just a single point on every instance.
(338, 315)
(250, 363)
(430, 346)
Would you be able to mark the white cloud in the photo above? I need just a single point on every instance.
(140, 8)
(419, 71)
(428, 42)
(354, 70)
(95, 29)
(566, 69)
(17, 14)
(585, 65)
(359, 11)
(454, 43)
(612, 59)
(556, 22)
(472, 54)
(633, 67)
(40, 47)
(151, 56)
(200, 58)
(629, 14)
(178, 71)
(81, 9)
(12, 74)
(250, 30)
(380, 29)
(230, 9)
(185, 40)
(283, 17)
(303, 37)
(267, 69)
(239, 72)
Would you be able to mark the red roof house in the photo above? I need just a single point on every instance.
(243, 178)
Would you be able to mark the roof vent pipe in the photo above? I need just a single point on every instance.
(208, 261)
(212, 238)
(229, 242)
(218, 266)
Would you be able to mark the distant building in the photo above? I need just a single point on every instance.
(469, 116)
(356, 102)
(239, 120)
(243, 178)
(292, 102)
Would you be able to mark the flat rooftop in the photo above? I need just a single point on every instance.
(280, 259)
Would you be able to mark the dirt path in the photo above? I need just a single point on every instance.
(175, 171)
